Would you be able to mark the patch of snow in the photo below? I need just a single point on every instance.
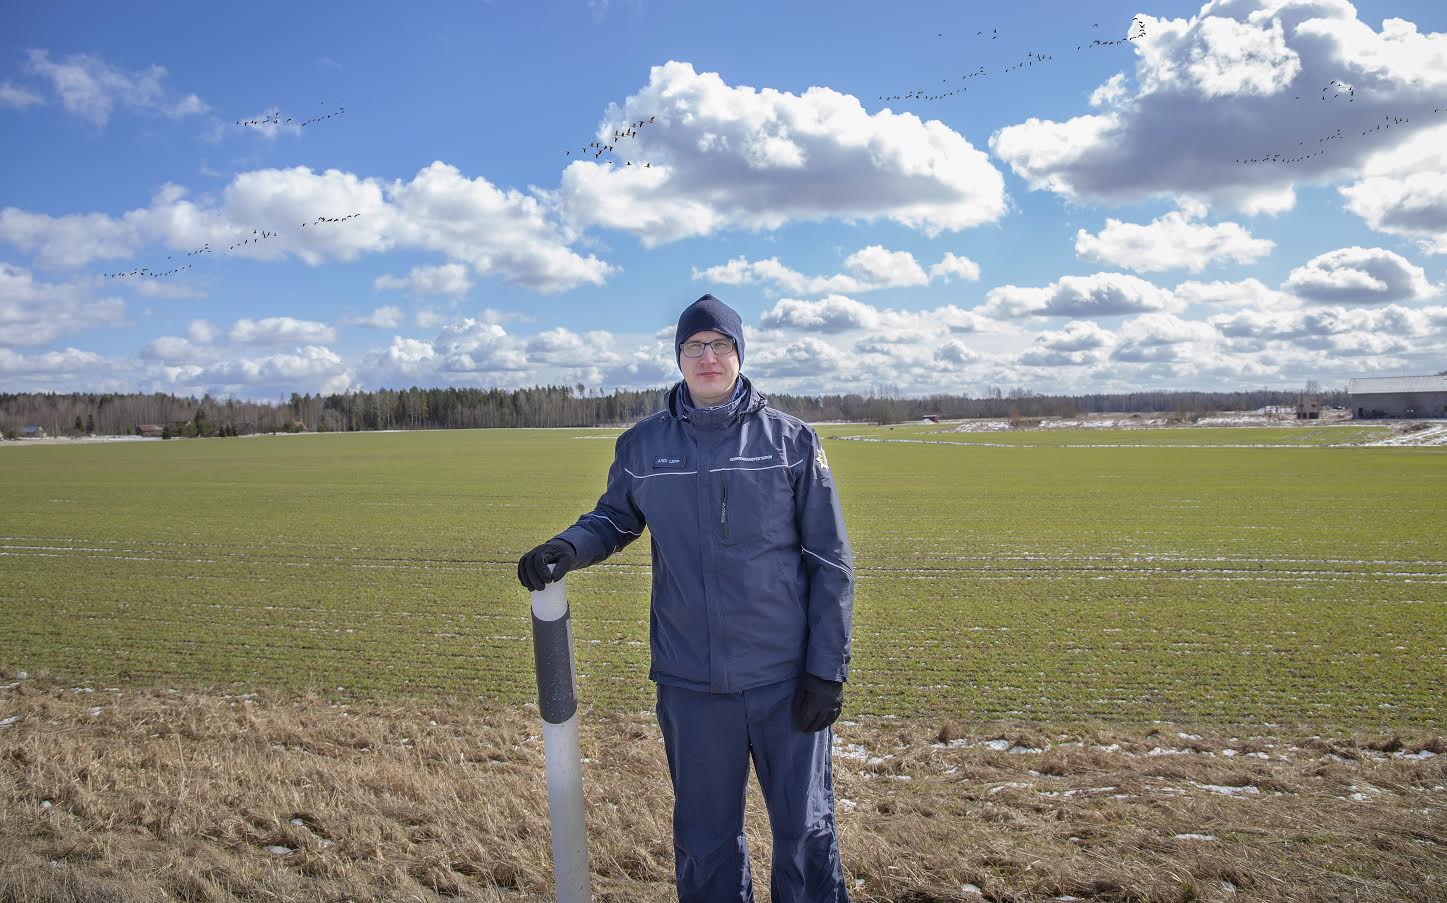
(1114, 747)
(1432, 436)
(1006, 786)
(1017, 749)
(848, 805)
(1228, 790)
(1419, 754)
(298, 822)
(859, 753)
(1085, 790)
(1195, 837)
(957, 743)
(279, 850)
(1172, 751)
(6, 722)
(971, 889)
(46, 804)
(998, 745)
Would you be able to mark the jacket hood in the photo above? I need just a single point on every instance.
(749, 402)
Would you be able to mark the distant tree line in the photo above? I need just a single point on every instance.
(111, 414)
(886, 406)
(557, 406)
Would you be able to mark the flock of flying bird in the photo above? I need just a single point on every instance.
(1338, 89)
(1335, 90)
(1135, 32)
(1325, 143)
(256, 237)
(275, 119)
(598, 148)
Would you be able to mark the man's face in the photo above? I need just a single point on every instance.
(710, 377)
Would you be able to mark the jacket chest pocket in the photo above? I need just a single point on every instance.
(664, 492)
(753, 504)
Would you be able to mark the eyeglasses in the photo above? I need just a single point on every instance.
(721, 347)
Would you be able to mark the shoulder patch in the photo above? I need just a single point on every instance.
(821, 460)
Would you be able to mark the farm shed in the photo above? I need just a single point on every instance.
(1399, 396)
(33, 432)
(153, 430)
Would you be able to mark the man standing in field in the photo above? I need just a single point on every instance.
(753, 595)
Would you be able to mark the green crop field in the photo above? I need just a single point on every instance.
(1187, 578)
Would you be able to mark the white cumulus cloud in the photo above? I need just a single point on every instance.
(1078, 343)
(447, 279)
(724, 156)
(841, 314)
(202, 332)
(1358, 275)
(385, 317)
(1392, 329)
(66, 369)
(281, 331)
(1404, 191)
(952, 266)
(499, 232)
(36, 313)
(1098, 295)
(1173, 241)
(869, 269)
(1160, 338)
(1249, 292)
(1270, 81)
(307, 368)
(170, 349)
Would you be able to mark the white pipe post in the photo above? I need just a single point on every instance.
(558, 702)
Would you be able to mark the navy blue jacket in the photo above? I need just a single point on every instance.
(753, 579)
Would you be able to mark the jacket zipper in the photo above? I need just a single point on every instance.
(724, 508)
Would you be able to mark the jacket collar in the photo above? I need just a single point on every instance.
(749, 401)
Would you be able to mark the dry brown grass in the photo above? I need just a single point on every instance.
(135, 795)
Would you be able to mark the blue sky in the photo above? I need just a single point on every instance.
(1068, 216)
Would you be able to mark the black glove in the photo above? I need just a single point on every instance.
(533, 567)
(817, 703)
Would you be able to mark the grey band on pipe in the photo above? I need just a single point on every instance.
(553, 659)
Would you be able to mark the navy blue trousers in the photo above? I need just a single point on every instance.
(710, 738)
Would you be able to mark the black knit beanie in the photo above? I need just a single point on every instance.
(706, 313)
